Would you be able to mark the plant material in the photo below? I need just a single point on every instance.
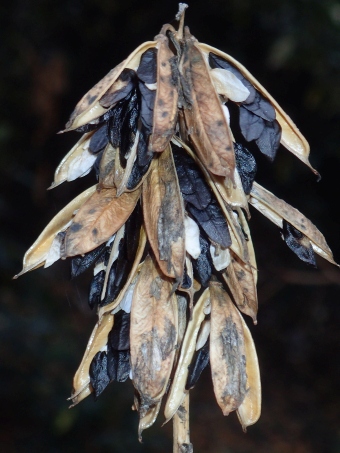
(166, 227)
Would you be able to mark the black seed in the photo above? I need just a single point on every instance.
(199, 362)
(269, 141)
(186, 281)
(96, 287)
(246, 166)
(119, 337)
(79, 264)
(147, 70)
(203, 265)
(251, 125)
(143, 160)
(261, 107)
(99, 378)
(298, 243)
(98, 140)
(147, 106)
(109, 99)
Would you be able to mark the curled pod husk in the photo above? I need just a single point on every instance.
(291, 137)
(97, 342)
(37, 253)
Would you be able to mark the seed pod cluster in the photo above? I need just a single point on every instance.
(165, 229)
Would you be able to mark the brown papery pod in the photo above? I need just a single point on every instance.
(153, 334)
(291, 137)
(165, 108)
(227, 350)
(98, 219)
(276, 209)
(164, 215)
(206, 123)
(37, 253)
(250, 409)
(88, 108)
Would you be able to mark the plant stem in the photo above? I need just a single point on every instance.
(181, 429)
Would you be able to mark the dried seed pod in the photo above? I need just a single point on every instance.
(98, 219)
(153, 334)
(227, 351)
(37, 253)
(164, 215)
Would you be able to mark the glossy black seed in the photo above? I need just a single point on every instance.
(99, 140)
(213, 222)
(261, 107)
(115, 124)
(142, 162)
(119, 337)
(199, 362)
(298, 243)
(218, 62)
(251, 125)
(147, 106)
(96, 287)
(147, 70)
(246, 166)
(118, 365)
(111, 98)
(79, 264)
(269, 140)
(99, 377)
(202, 267)
(191, 181)
(129, 127)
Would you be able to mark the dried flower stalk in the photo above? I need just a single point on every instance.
(166, 227)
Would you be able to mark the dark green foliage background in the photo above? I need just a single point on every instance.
(51, 53)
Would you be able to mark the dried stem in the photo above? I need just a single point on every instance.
(181, 429)
(180, 17)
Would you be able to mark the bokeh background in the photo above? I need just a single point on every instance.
(51, 53)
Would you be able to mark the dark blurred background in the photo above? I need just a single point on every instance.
(51, 54)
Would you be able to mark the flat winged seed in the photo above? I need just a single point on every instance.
(165, 107)
(251, 125)
(119, 337)
(207, 126)
(261, 107)
(199, 362)
(96, 288)
(250, 409)
(291, 137)
(276, 210)
(120, 89)
(269, 140)
(178, 391)
(194, 188)
(98, 219)
(298, 243)
(147, 106)
(97, 341)
(246, 166)
(80, 264)
(202, 266)
(147, 69)
(227, 351)
(88, 108)
(99, 378)
(164, 215)
(37, 253)
(228, 85)
(153, 334)
(213, 222)
(99, 140)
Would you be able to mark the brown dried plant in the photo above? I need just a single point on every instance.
(166, 226)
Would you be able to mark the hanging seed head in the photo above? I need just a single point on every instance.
(165, 228)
